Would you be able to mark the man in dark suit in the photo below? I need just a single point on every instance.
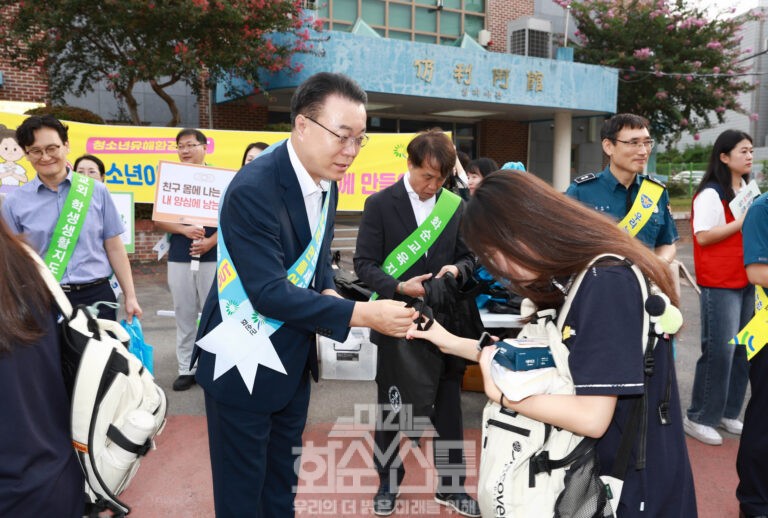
(270, 219)
(389, 218)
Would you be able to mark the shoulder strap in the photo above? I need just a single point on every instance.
(637, 421)
(53, 286)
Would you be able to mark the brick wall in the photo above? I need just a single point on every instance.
(30, 85)
(239, 115)
(146, 235)
(504, 141)
(501, 12)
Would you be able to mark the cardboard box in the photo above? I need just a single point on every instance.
(355, 359)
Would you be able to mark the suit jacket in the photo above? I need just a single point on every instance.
(387, 220)
(265, 227)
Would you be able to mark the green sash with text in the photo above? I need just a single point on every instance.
(416, 245)
(69, 225)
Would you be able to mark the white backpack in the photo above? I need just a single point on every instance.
(525, 464)
(117, 408)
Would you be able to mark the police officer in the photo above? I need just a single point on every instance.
(752, 490)
(627, 143)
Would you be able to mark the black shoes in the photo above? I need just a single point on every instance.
(462, 503)
(384, 501)
(183, 382)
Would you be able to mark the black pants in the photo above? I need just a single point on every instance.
(448, 447)
(92, 294)
(751, 466)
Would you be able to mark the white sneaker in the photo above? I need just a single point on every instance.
(733, 426)
(701, 432)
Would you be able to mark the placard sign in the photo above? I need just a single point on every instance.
(124, 203)
(189, 193)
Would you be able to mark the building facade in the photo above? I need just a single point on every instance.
(489, 71)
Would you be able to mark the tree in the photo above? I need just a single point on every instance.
(162, 42)
(676, 66)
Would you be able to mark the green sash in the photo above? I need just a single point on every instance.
(69, 225)
(640, 212)
(416, 245)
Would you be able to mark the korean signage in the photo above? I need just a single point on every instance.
(189, 193)
(132, 155)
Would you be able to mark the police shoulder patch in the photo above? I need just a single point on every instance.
(584, 178)
(654, 180)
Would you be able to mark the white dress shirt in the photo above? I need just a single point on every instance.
(312, 192)
(421, 209)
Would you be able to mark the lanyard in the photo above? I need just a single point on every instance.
(69, 225)
(416, 245)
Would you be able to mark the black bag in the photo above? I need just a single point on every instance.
(408, 374)
(349, 286)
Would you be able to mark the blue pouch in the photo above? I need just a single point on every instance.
(139, 348)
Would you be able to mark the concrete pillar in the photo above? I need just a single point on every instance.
(561, 153)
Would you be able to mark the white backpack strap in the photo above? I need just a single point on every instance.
(58, 294)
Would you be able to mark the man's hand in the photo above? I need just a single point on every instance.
(193, 232)
(132, 309)
(448, 268)
(202, 245)
(389, 317)
(413, 287)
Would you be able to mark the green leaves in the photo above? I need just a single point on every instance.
(676, 66)
(123, 42)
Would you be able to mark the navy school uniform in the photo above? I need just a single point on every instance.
(603, 192)
(605, 360)
(39, 472)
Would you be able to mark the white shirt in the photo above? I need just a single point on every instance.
(708, 210)
(421, 209)
(312, 192)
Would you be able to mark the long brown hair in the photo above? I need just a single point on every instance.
(544, 231)
(24, 297)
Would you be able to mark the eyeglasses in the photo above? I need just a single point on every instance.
(360, 141)
(189, 147)
(37, 153)
(637, 144)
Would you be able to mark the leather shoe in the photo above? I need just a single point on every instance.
(384, 501)
(462, 503)
(183, 382)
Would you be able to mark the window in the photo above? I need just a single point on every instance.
(412, 20)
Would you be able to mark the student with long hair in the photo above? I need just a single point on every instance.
(39, 473)
(727, 297)
(538, 244)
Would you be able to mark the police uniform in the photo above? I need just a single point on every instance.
(603, 192)
(752, 490)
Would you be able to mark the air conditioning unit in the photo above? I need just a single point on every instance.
(528, 36)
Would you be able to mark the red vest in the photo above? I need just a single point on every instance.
(720, 265)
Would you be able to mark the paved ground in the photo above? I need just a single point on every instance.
(336, 477)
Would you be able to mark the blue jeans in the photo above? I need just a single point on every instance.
(722, 371)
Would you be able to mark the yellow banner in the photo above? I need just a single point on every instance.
(755, 334)
(131, 155)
